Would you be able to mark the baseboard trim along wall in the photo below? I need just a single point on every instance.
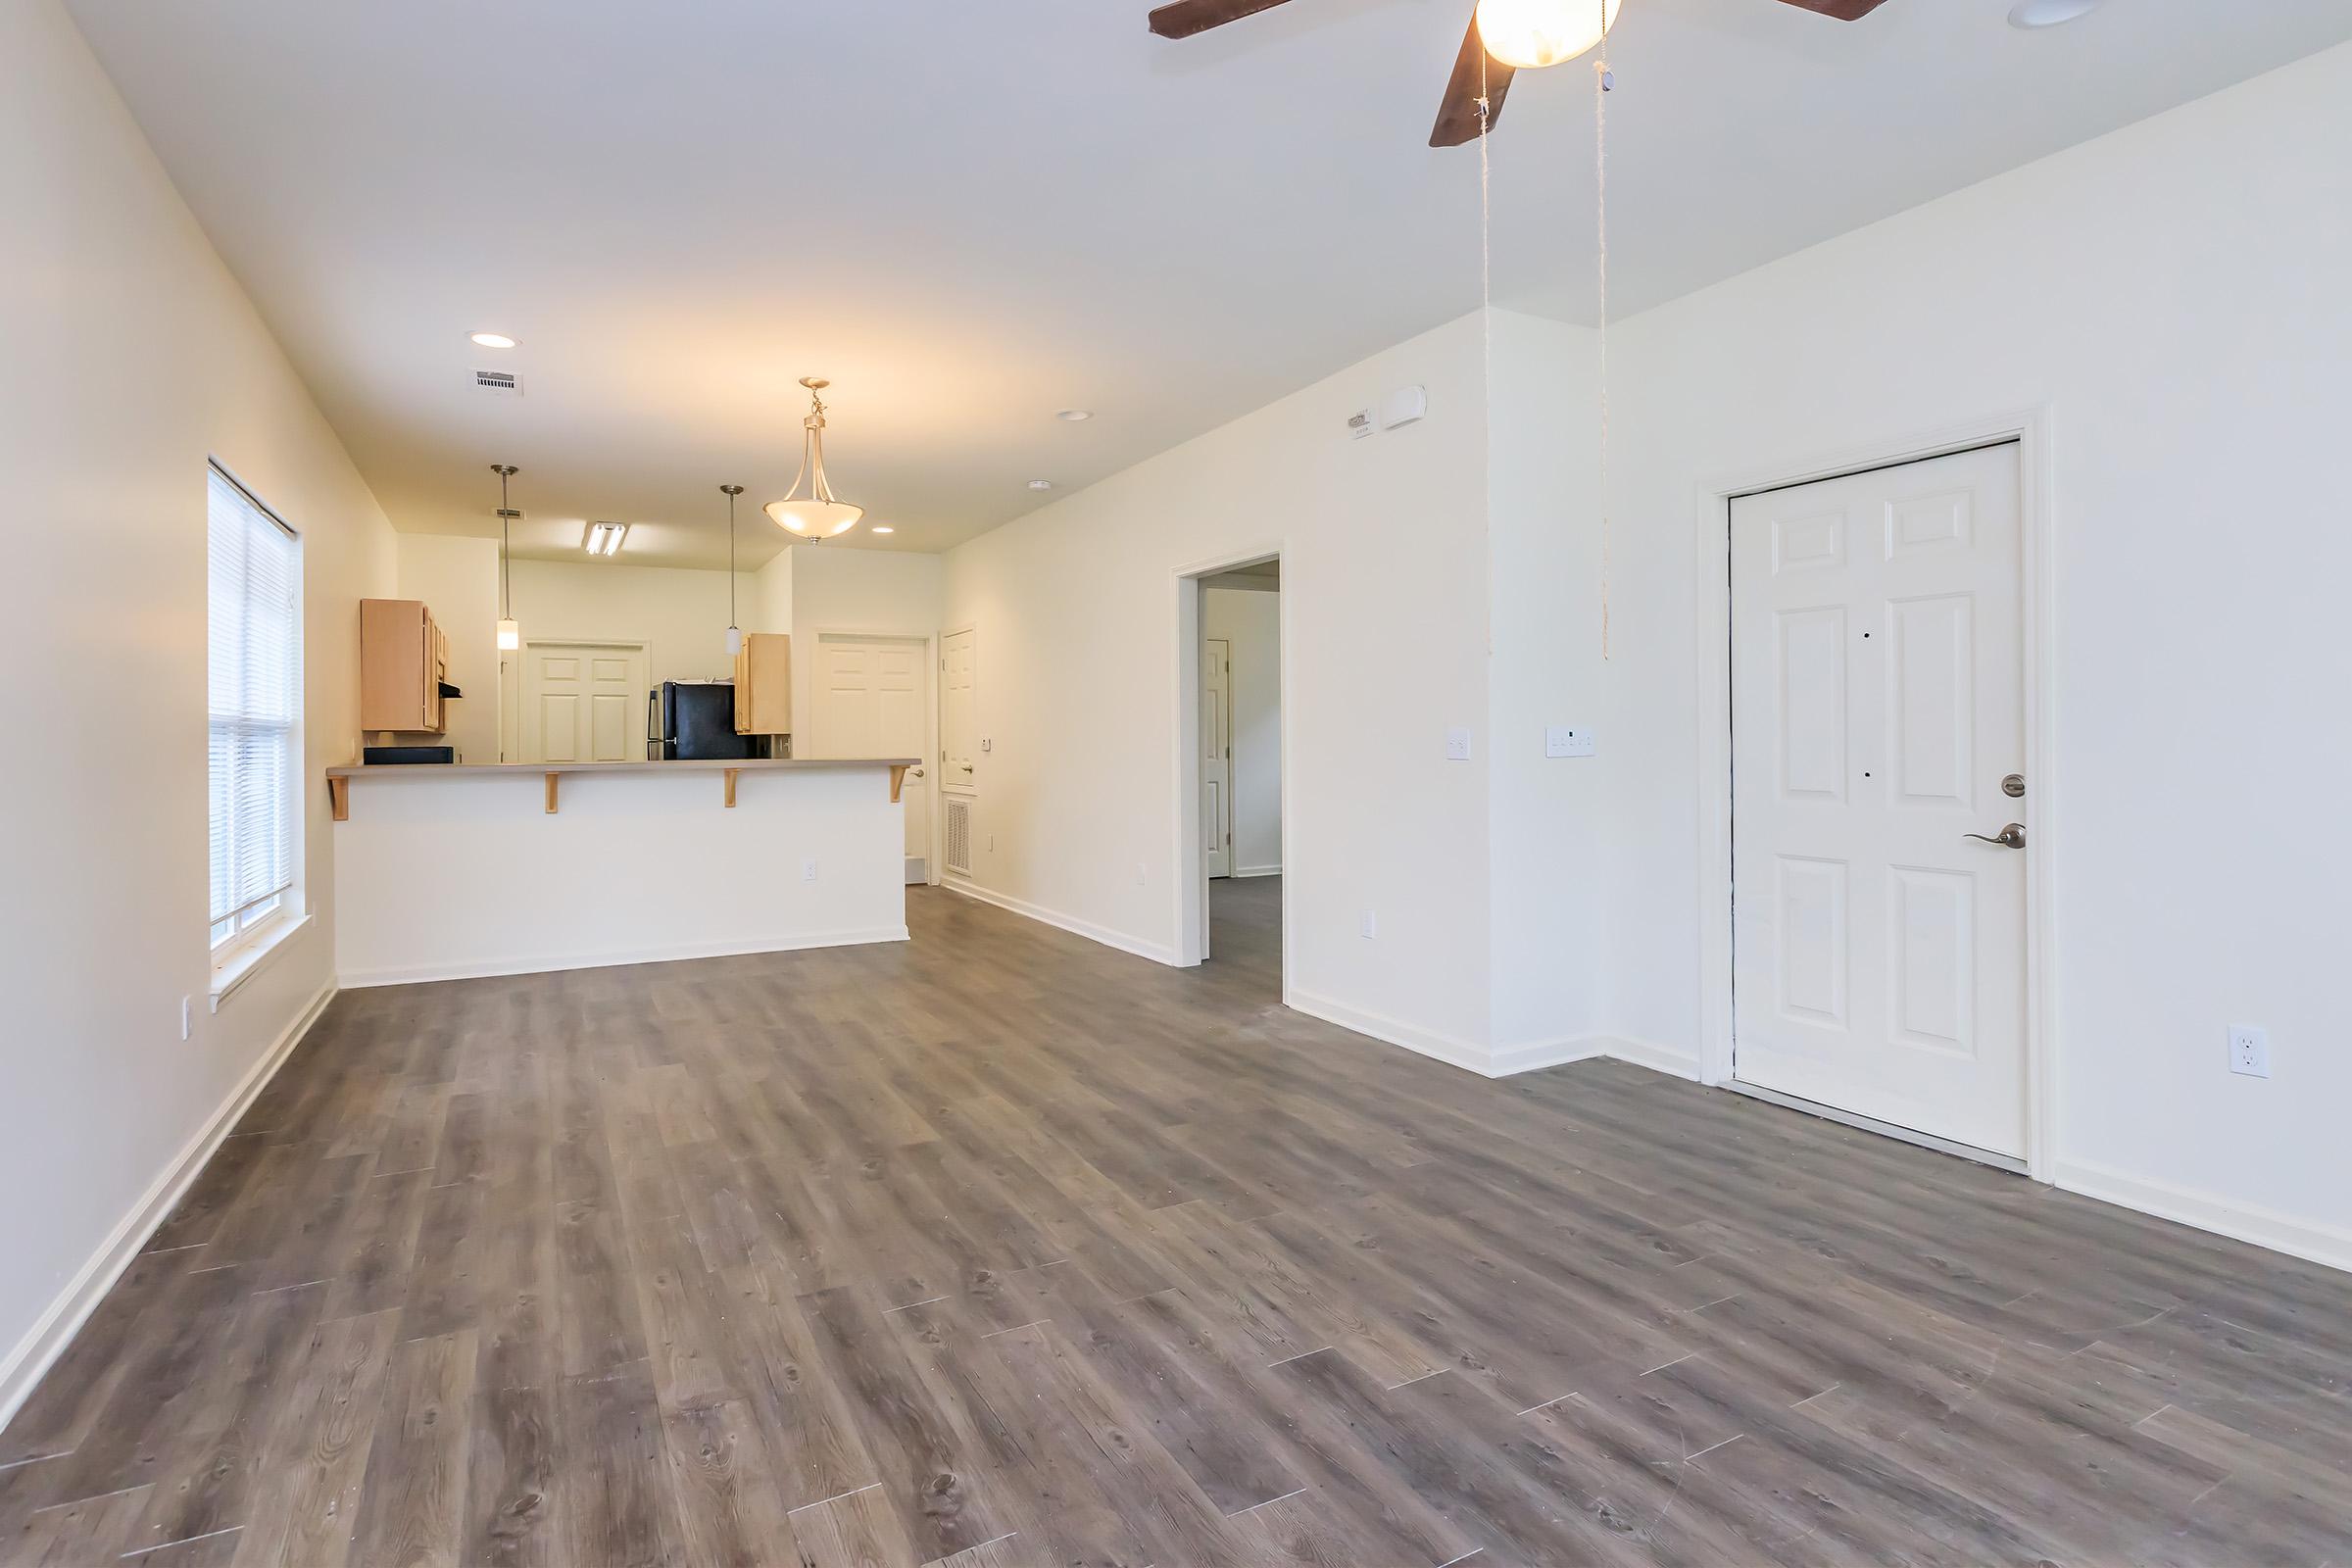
(47, 1339)
(1258, 870)
(363, 979)
(2281, 1233)
(1155, 951)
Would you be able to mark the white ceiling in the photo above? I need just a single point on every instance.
(971, 214)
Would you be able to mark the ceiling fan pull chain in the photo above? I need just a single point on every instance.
(1604, 80)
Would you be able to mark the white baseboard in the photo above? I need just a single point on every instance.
(1155, 951)
(1669, 1059)
(1258, 870)
(361, 979)
(1463, 1053)
(2263, 1227)
(48, 1337)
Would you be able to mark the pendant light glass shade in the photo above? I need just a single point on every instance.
(510, 636)
(815, 515)
(1532, 33)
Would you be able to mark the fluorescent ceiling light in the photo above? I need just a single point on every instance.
(603, 538)
(1040, 484)
(884, 528)
(494, 340)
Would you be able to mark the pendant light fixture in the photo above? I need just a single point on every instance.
(734, 632)
(816, 516)
(510, 633)
(1532, 33)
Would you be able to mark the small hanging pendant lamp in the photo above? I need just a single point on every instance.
(734, 632)
(510, 632)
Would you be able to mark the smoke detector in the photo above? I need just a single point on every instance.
(503, 383)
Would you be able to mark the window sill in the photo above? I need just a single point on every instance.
(255, 958)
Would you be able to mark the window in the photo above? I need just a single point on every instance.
(254, 664)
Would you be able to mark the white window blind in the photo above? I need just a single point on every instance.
(254, 660)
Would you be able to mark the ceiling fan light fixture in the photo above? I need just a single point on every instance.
(1530, 34)
(817, 514)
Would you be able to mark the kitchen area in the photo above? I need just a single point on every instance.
(570, 764)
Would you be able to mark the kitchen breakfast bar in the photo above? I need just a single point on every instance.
(446, 871)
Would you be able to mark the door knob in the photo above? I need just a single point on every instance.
(914, 773)
(2012, 837)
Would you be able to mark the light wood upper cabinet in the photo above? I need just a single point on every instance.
(404, 659)
(763, 684)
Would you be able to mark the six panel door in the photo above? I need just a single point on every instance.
(1877, 704)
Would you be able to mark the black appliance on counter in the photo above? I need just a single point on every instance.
(693, 722)
(389, 756)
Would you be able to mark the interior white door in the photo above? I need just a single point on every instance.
(1879, 953)
(873, 696)
(583, 703)
(959, 710)
(1216, 754)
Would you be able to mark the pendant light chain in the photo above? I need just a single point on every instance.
(1602, 81)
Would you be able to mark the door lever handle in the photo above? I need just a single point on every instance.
(2012, 837)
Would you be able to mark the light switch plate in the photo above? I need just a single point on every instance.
(1569, 740)
(1457, 746)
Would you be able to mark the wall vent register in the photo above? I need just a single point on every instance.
(959, 835)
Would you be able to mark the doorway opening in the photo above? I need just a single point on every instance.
(1232, 760)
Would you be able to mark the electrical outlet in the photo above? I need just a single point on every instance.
(1568, 740)
(1457, 746)
(2249, 1050)
(1371, 925)
(808, 870)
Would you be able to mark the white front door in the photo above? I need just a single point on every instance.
(583, 703)
(1878, 955)
(1216, 754)
(872, 698)
(958, 712)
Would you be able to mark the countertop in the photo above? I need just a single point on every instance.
(747, 764)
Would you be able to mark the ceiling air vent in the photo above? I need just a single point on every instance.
(505, 383)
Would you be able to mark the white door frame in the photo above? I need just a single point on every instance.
(806, 703)
(1191, 878)
(1712, 621)
(641, 647)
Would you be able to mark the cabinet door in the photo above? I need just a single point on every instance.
(764, 685)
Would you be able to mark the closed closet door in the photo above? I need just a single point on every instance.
(1878, 723)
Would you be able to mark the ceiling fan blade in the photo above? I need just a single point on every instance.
(1842, 10)
(1183, 17)
(1458, 116)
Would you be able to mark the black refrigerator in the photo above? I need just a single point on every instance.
(694, 720)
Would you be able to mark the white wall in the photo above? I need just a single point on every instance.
(889, 592)
(457, 581)
(2174, 296)
(131, 355)
(1250, 623)
(1383, 594)
(679, 614)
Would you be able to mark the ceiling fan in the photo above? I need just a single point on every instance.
(1512, 34)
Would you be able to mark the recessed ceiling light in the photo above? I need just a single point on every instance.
(494, 340)
(882, 528)
(603, 538)
(1075, 416)
(2050, 13)
(1040, 484)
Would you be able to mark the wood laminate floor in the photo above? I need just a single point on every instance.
(1005, 1250)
